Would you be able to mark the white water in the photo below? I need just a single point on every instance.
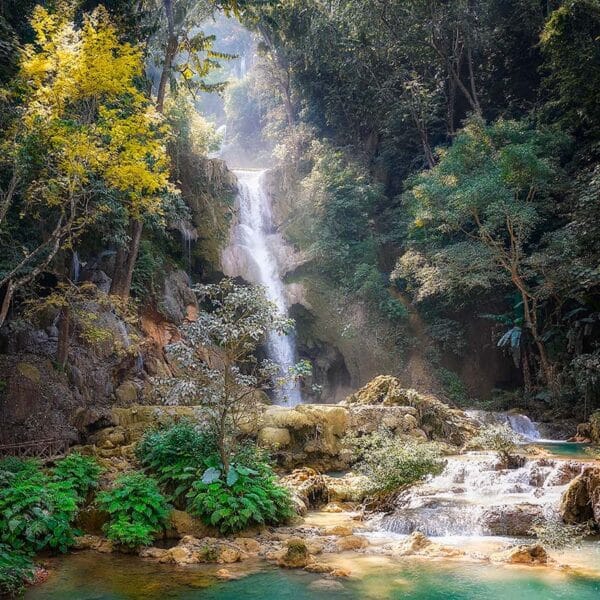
(251, 237)
(519, 423)
(474, 496)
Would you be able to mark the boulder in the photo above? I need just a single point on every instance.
(580, 502)
(191, 550)
(296, 555)
(274, 438)
(533, 554)
(308, 487)
(418, 544)
(351, 542)
(182, 524)
(511, 519)
(94, 542)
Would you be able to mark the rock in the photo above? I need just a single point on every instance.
(176, 299)
(183, 524)
(564, 473)
(308, 486)
(418, 544)
(511, 519)
(152, 552)
(127, 393)
(351, 542)
(415, 543)
(533, 554)
(94, 542)
(434, 417)
(296, 555)
(339, 530)
(29, 371)
(580, 502)
(317, 567)
(224, 574)
(248, 545)
(274, 437)
(333, 507)
(349, 488)
(191, 550)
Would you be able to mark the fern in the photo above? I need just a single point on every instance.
(137, 509)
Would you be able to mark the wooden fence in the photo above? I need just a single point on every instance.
(44, 450)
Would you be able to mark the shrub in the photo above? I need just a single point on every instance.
(244, 498)
(499, 438)
(175, 455)
(81, 472)
(553, 533)
(391, 462)
(137, 509)
(35, 512)
(16, 569)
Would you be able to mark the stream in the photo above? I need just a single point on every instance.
(90, 576)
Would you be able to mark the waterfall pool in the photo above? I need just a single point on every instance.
(91, 576)
(561, 449)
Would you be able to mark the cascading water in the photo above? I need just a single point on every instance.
(519, 423)
(251, 241)
(474, 496)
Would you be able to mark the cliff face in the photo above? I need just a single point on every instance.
(349, 342)
(112, 354)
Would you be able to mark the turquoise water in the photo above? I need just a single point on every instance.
(566, 449)
(90, 576)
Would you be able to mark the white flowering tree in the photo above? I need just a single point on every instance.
(215, 364)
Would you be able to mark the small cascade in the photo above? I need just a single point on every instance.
(473, 496)
(189, 235)
(519, 423)
(75, 268)
(255, 260)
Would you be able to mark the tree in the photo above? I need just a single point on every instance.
(570, 46)
(215, 365)
(83, 133)
(486, 200)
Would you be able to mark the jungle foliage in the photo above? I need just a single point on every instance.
(450, 148)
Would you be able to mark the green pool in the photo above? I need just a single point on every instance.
(89, 576)
(566, 449)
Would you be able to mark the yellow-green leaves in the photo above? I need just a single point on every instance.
(81, 95)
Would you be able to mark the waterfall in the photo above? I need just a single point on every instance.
(75, 267)
(519, 423)
(251, 246)
(189, 235)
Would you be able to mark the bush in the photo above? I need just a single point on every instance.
(16, 569)
(391, 462)
(553, 533)
(175, 455)
(244, 498)
(80, 472)
(137, 509)
(36, 512)
(454, 388)
(499, 438)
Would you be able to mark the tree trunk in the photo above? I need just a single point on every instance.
(8, 295)
(64, 336)
(136, 236)
(530, 321)
(170, 53)
(125, 261)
